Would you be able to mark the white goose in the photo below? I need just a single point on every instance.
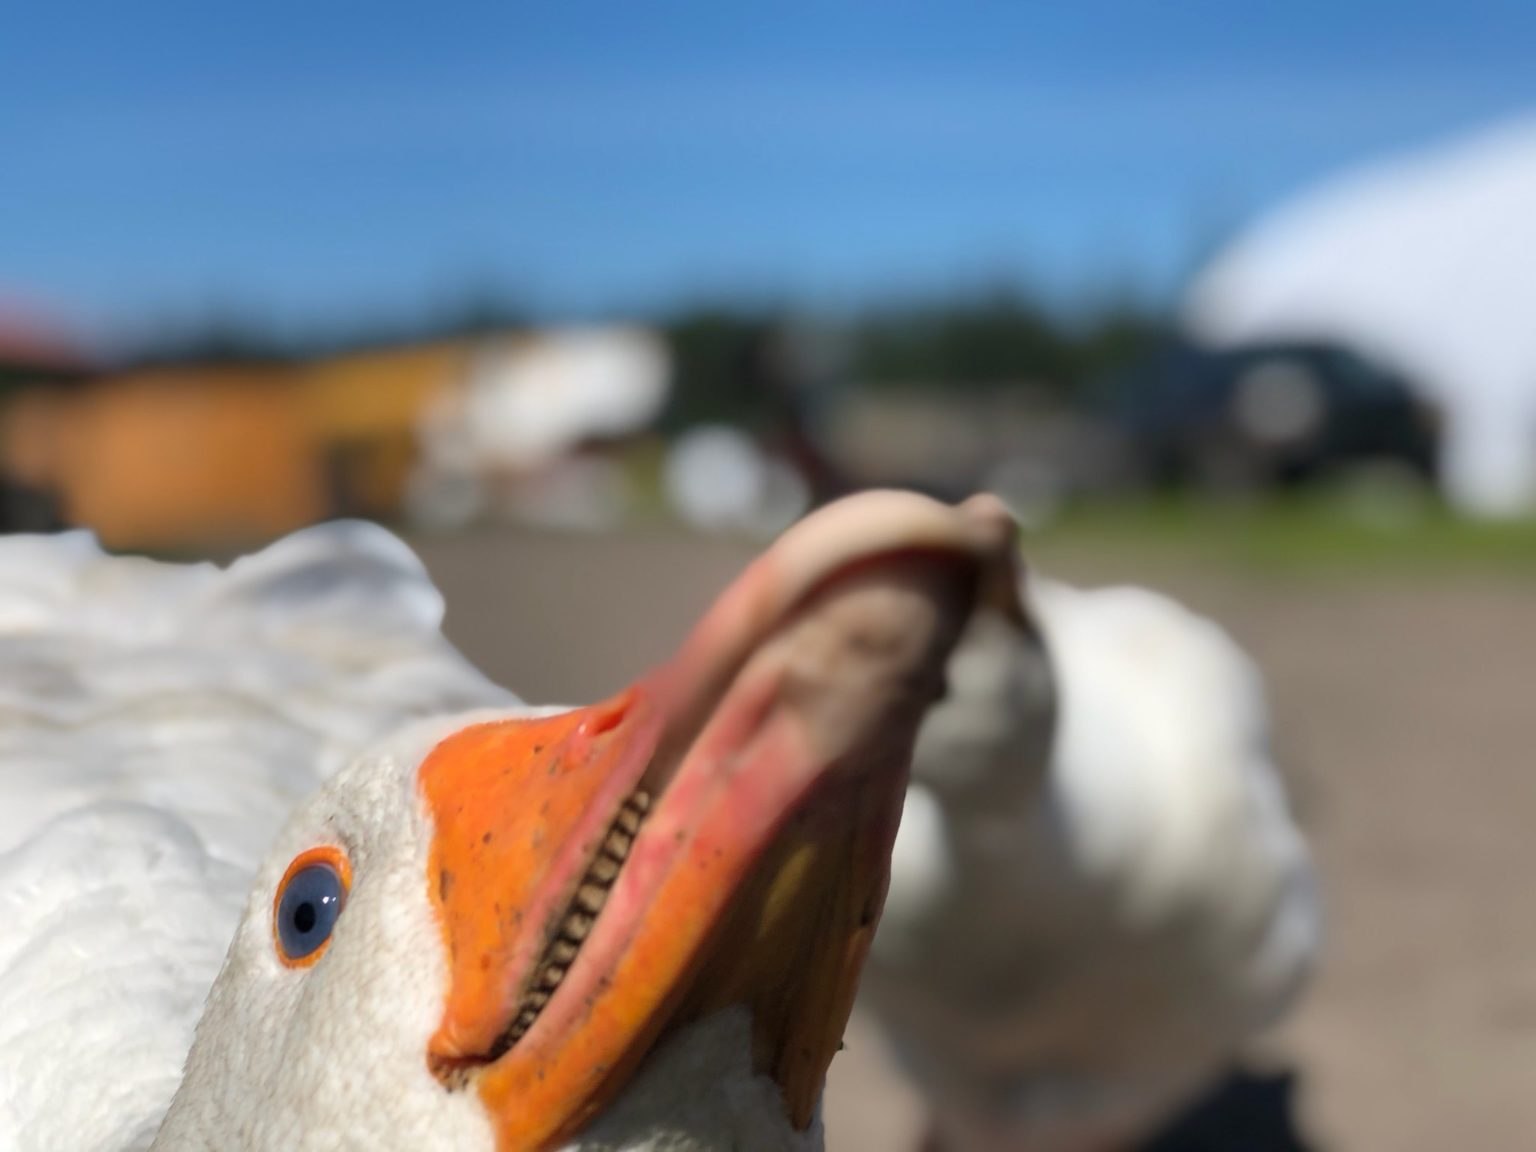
(1098, 893)
(631, 926)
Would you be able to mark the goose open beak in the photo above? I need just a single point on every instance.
(717, 834)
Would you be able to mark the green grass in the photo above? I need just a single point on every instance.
(1322, 533)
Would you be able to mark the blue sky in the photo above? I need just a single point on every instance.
(310, 163)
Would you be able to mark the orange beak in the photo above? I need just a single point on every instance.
(717, 834)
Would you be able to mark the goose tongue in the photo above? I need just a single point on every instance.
(769, 758)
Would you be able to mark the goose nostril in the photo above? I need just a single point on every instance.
(605, 718)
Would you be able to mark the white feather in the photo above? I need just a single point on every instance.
(1098, 893)
(158, 723)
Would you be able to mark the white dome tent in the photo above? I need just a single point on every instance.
(1427, 263)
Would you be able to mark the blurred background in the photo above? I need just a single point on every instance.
(588, 300)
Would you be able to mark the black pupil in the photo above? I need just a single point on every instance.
(304, 917)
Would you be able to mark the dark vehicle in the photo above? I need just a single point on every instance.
(1265, 415)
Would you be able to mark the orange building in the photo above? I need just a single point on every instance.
(192, 456)
(225, 454)
(364, 411)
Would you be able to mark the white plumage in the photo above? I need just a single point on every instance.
(158, 723)
(178, 743)
(1097, 892)
(1096, 889)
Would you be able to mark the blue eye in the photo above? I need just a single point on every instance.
(307, 907)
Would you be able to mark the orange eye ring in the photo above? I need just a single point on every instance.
(308, 902)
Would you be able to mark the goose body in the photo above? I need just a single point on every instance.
(279, 869)
(158, 723)
(1098, 892)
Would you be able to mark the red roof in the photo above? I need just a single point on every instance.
(30, 342)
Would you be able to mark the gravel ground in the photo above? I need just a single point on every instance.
(1403, 710)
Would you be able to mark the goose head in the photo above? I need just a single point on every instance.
(491, 932)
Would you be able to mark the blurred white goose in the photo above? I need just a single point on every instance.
(1098, 893)
(637, 925)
